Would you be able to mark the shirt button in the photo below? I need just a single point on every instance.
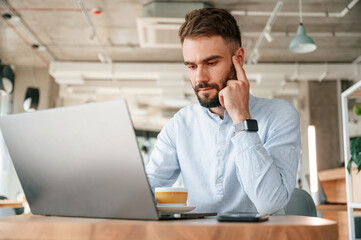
(222, 127)
(218, 180)
(219, 154)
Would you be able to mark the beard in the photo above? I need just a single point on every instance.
(206, 100)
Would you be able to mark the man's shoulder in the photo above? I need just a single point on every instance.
(274, 105)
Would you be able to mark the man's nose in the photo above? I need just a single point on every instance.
(201, 74)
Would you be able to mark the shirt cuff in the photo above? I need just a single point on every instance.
(246, 139)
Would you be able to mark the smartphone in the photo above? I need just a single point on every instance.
(242, 217)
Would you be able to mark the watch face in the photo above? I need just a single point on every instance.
(252, 125)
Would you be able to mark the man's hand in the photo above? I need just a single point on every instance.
(235, 96)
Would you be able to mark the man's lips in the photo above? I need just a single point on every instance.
(204, 89)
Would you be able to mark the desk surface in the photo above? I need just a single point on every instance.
(277, 227)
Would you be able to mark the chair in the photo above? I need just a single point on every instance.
(301, 203)
(5, 212)
(358, 227)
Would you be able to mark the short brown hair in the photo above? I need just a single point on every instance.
(207, 22)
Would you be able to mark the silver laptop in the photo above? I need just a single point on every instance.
(82, 161)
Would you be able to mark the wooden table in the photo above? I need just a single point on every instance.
(10, 204)
(337, 213)
(65, 228)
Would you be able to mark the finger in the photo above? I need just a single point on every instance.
(221, 98)
(230, 82)
(241, 75)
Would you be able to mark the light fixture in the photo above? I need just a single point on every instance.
(101, 58)
(256, 56)
(97, 11)
(267, 33)
(31, 100)
(268, 37)
(302, 43)
(312, 157)
(324, 74)
(7, 78)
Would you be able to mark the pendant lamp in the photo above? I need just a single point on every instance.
(31, 101)
(7, 78)
(302, 43)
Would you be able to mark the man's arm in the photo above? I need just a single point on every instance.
(163, 167)
(268, 171)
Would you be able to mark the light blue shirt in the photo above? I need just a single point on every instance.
(224, 172)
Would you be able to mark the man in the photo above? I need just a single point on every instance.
(225, 167)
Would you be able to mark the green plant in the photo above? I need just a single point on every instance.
(355, 154)
(355, 146)
(357, 109)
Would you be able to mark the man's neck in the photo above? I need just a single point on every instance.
(219, 111)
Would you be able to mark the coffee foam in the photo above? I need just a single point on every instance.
(170, 189)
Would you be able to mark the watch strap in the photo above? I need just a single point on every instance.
(238, 127)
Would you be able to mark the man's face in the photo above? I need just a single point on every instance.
(209, 65)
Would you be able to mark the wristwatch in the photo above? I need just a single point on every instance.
(247, 125)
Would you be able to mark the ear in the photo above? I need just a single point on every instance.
(240, 54)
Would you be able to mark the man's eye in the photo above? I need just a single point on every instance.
(212, 63)
(191, 67)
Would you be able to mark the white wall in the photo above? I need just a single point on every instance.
(38, 78)
(24, 78)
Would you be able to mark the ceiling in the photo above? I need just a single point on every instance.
(62, 34)
(63, 29)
